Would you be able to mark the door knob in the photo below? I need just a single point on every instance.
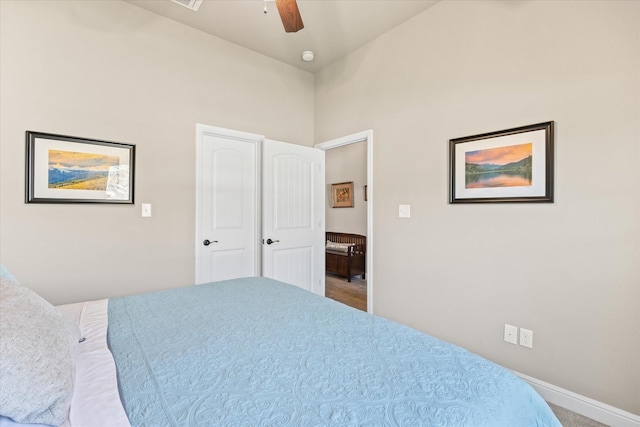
(207, 242)
(269, 241)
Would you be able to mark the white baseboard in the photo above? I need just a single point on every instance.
(582, 405)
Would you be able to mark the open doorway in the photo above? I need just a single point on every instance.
(349, 278)
(346, 225)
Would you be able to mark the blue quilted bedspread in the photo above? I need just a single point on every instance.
(256, 352)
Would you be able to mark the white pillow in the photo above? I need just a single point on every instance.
(37, 348)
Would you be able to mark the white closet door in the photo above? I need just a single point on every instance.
(227, 229)
(293, 214)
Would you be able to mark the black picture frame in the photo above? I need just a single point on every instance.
(513, 166)
(69, 169)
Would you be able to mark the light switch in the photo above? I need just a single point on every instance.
(146, 210)
(511, 334)
(404, 211)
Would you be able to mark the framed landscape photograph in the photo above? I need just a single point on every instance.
(67, 169)
(342, 195)
(513, 165)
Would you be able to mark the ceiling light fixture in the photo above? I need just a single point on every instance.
(307, 56)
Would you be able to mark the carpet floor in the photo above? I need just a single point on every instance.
(571, 419)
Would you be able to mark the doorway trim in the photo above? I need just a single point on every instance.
(364, 136)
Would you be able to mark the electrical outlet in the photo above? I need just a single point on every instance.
(404, 211)
(526, 338)
(511, 334)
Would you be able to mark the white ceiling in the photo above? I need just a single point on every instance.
(332, 28)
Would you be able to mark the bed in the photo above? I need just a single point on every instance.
(257, 352)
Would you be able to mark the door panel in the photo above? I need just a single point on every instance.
(293, 214)
(302, 258)
(226, 208)
(227, 264)
(230, 211)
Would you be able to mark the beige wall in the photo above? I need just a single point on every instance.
(569, 271)
(345, 164)
(112, 71)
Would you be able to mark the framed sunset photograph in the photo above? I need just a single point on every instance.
(67, 169)
(513, 165)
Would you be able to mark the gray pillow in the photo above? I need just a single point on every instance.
(37, 350)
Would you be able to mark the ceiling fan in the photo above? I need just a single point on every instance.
(290, 15)
(288, 10)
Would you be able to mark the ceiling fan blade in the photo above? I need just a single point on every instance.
(290, 15)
